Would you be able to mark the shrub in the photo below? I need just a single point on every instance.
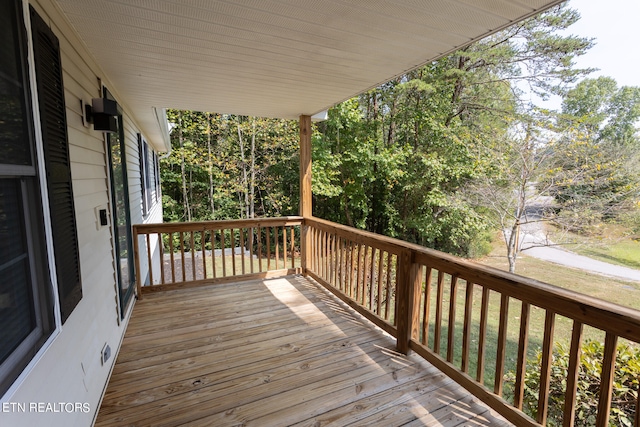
(625, 388)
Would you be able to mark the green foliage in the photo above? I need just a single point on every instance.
(625, 387)
(203, 177)
(592, 181)
(604, 111)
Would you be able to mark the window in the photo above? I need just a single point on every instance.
(156, 175)
(145, 175)
(121, 213)
(26, 300)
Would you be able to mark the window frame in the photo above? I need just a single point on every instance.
(124, 294)
(147, 201)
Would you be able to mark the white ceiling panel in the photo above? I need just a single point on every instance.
(272, 58)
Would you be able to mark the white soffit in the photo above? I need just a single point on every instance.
(272, 58)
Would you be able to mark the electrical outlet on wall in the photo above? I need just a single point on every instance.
(105, 354)
(102, 216)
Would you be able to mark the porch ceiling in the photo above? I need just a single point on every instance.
(272, 58)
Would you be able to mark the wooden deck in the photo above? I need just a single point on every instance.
(275, 352)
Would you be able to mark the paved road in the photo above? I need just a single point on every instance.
(533, 244)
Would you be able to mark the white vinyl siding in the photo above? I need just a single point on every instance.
(70, 369)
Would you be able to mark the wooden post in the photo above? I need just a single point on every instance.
(306, 210)
(408, 288)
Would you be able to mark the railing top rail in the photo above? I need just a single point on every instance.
(389, 244)
(607, 316)
(604, 315)
(168, 227)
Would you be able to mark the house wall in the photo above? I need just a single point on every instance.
(69, 369)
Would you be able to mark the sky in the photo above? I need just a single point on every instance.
(616, 26)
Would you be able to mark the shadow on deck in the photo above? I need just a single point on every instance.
(273, 352)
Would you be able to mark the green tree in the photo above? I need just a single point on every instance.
(225, 166)
(594, 171)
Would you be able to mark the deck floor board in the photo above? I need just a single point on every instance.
(273, 352)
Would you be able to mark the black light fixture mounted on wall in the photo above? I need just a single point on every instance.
(102, 113)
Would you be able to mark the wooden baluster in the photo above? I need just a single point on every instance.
(223, 250)
(354, 286)
(356, 271)
(173, 270)
(275, 238)
(161, 247)
(260, 249)
(251, 266)
(149, 259)
(379, 302)
(359, 279)
(203, 240)
(266, 230)
(345, 270)
(372, 281)
(438, 323)
(572, 376)
(466, 329)
(284, 247)
(606, 379)
(545, 371)
(293, 248)
(339, 275)
(242, 258)
(184, 272)
(379, 283)
(388, 287)
(334, 261)
(453, 300)
(426, 307)
(325, 256)
(484, 310)
(233, 252)
(321, 253)
(365, 271)
(521, 364)
(326, 241)
(343, 264)
(362, 253)
(502, 344)
(193, 256)
(213, 252)
(312, 260)
(318, 251)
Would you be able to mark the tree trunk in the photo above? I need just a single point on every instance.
(185, 196)
(513, 245)
(252, 187)
(245, 183)
(212, 205)
(457, 92)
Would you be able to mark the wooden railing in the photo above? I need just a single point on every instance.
(179, 255)
(471, 321)
(444, 308)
